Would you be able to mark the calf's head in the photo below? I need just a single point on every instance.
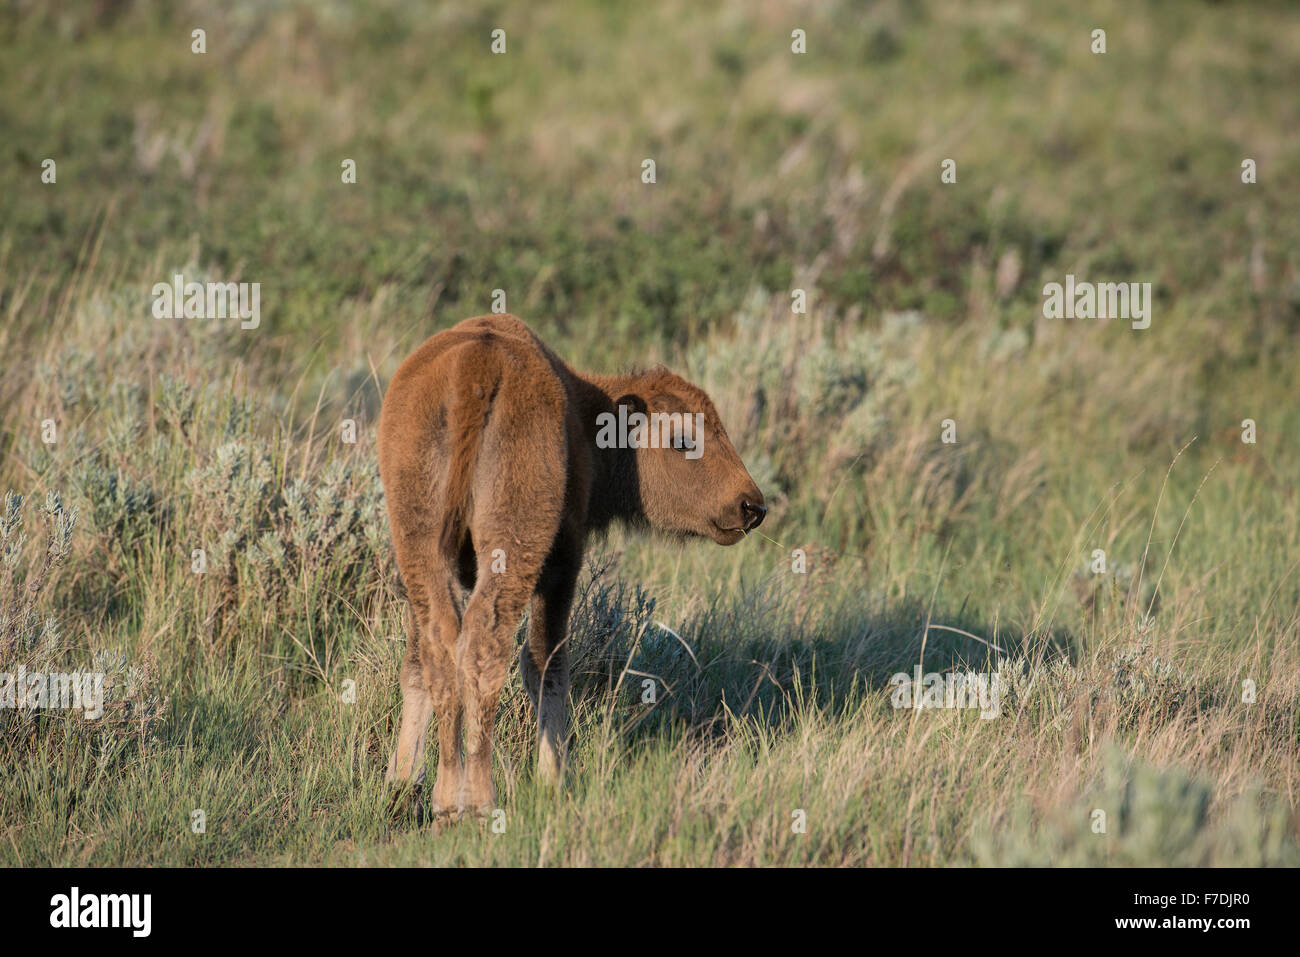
(689, 478)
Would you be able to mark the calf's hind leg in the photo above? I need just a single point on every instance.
(429, 684)
(406, 765)
(484, 654)
(544, 658)
(515, 541)
(518, 501)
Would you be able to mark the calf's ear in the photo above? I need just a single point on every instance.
(633, 402)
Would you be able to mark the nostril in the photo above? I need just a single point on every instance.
(753, 514)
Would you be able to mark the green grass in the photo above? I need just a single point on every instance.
(522, 172)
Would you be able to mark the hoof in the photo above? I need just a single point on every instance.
(448, 817)
(481, 814)
(406, 805)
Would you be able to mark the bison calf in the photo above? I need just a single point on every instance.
(498, 461)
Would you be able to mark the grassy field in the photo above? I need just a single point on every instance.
(251, 706)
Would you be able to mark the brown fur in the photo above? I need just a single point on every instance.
(488, 454)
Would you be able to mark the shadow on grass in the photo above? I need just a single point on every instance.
(747, 660)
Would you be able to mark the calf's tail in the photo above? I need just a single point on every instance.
(477, 380)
